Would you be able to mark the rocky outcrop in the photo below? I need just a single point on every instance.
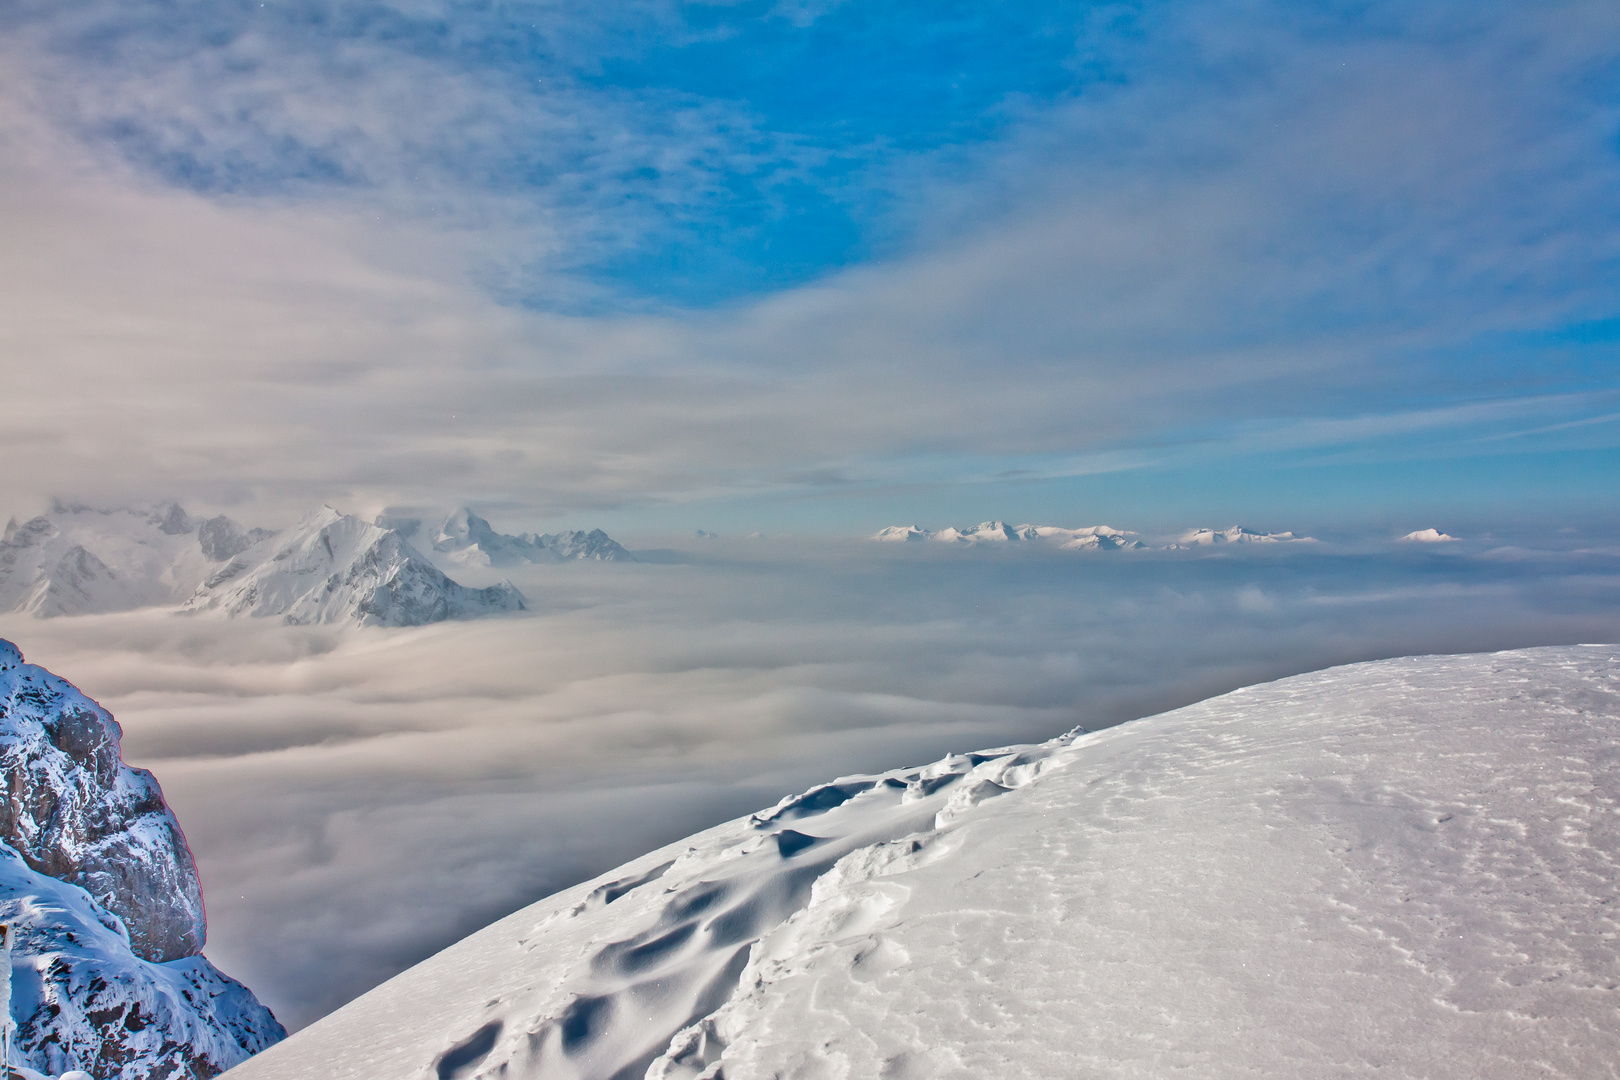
(82, 1000)
(96, 880)
(75, 812)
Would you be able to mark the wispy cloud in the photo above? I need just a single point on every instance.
(299, 252)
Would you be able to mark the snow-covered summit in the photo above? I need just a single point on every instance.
(1428, 536)
(79, 560)
(1402, 867)
(466, 539)
(1237, 535)
(332, 568)
(95, 876)
(1087, 538)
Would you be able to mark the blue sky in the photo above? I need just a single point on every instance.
(815, 266)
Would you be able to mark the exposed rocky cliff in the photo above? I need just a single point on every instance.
(95, 876)
(75, 812)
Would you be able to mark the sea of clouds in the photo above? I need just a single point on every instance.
(359, 798)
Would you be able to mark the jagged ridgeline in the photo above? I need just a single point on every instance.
(330, 567)
(108, 974)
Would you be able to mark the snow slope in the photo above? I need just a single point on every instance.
(96, 877)
(1087, 538)
(1405, 867)
(333, 568)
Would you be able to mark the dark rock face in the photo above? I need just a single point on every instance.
(75, 812)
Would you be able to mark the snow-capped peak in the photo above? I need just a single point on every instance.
(1237, 534)
(333, 567)
(1086, 538)
(1428, 536)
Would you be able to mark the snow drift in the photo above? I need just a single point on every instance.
(1404, 866)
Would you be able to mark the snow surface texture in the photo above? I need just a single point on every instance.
(1089, 538)
(466, 539)
(1405, 867)
(105, 977)
(334, 568)
(74, 811)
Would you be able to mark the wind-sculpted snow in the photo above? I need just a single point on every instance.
(335, 568)
(597, 981)
(1404, 867)
(74, 811)
(82, 1000)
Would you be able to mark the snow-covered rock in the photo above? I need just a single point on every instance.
(75, 811)
(334, 568)
(466, 539)
(1088, 538)
(95, 877)
(81, 999)
(1236, 535)
(1403, 867)
(1428, 536)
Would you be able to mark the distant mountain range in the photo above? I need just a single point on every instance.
(330, 567)
(1088, 538)
(466, 539)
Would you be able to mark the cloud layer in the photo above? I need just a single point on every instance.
(357, 800)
